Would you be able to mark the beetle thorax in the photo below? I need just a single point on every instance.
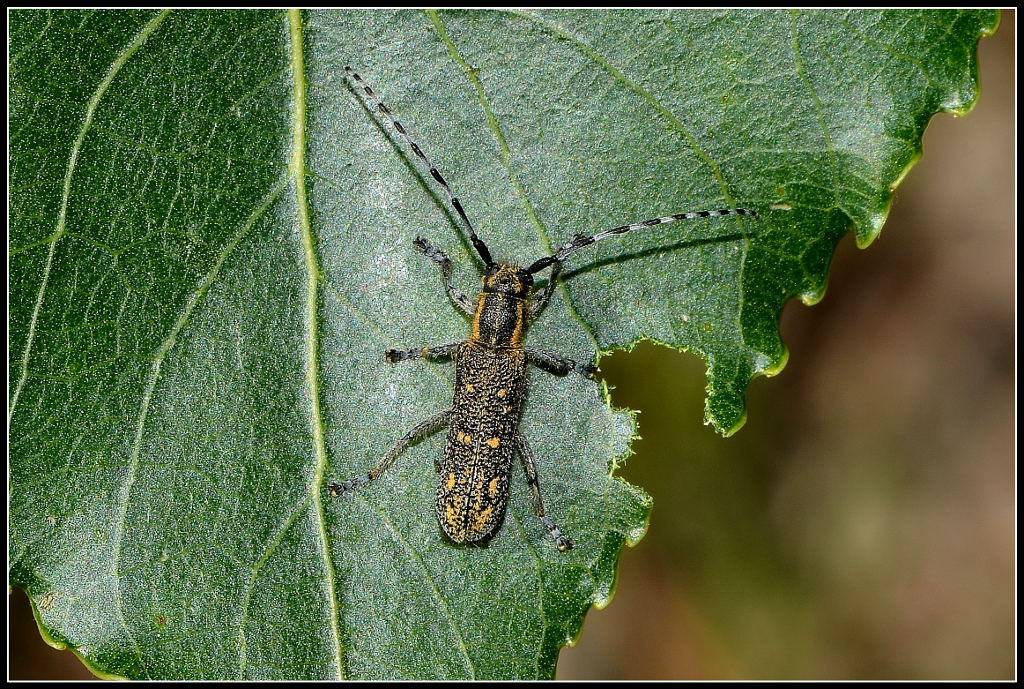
(502, 306)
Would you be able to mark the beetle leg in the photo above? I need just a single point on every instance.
(462, 302)
(559, 365)
(538, 303)
(440, 352)
(562, 541)
(337, 489)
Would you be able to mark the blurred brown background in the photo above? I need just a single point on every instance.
(861, 524)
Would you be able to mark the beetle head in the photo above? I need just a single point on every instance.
(505, 278)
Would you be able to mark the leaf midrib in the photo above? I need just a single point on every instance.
(296, 171)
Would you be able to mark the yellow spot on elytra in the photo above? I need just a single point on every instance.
(493, 487)
(494, 442)
(465, 437)
(502, 392)
(470, 388)
(451, 480)
(482, 519)
(506, 410)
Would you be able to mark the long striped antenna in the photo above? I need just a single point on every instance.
(478, 244)
(581, 240)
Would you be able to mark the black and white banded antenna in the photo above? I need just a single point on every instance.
(581, 240)
(478, 244)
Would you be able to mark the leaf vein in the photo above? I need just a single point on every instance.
(297, 168)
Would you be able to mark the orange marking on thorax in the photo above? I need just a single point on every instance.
(517, 334)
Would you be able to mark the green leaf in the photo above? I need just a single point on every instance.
(210, 248)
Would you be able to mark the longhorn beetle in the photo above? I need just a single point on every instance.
(490, 374)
